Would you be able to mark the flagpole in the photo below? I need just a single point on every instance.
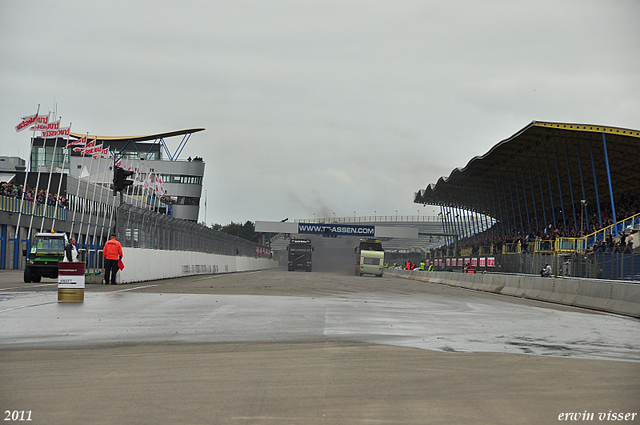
(86, 192)
(75, 208)
(46, 202)
(35, 200)
(53, 157)
(104, 216)
(93, 197)
(64, 162)
(24, 186)
(95, 231)
(113, 205)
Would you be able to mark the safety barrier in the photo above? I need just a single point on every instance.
(511, 248)
(610, 296)
(567, 245)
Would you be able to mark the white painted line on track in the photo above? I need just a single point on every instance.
(137, 287)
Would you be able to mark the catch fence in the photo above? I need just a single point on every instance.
(142, 228)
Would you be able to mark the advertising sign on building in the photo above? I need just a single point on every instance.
(337, 229)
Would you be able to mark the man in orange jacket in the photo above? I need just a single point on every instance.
(112, 253)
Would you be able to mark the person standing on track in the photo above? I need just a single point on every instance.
(112, 253)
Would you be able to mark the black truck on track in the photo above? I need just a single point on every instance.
(299, 257)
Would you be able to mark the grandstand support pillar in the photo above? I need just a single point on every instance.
(442, 218)
(584, 196)
(553, 208)
(476, 223)
(544, 211)
(493, 195)
(490, 214)
(482, 224)
(613, 207)
(452, 222)
(445, 221)
(524, 193)
(506, 209)
(468, 228)
(466, 224)
(533, 199)
(458, 227)
(595, 183)
(515, 180)
(564, 219)
(573, 204)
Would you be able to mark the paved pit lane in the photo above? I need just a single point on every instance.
(456, 321)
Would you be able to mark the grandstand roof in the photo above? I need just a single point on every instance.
(138, 138)
(547, 158)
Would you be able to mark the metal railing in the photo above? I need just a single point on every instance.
(29, 207)
(372, 219)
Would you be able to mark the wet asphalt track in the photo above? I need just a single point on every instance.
(456, 321)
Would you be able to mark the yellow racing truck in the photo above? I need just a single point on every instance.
(369, 257)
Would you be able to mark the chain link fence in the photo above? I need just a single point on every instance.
(610, 265)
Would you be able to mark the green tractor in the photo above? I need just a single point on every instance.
(47, 250)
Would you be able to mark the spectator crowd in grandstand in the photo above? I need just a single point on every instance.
(499, 236)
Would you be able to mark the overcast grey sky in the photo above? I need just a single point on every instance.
(319, 107)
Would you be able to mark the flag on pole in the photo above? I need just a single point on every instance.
(159, 187)
(78, 142)
(26, 122)
(93, 150)
(162, 191)
(147, 181)
(53, 134)
(42, 123)
(87, 145)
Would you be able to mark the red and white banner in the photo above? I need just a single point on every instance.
(77, 142)
(491, 261)
(87, 145)
(42, 123)
(53, 134)
(91, 150)
(53, 125)
(26, 122)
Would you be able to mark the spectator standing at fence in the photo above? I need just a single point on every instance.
(112, 253)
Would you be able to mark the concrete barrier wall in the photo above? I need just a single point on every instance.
(149, 264)
(604, 295)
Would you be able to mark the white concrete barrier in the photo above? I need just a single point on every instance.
(605, 295)
(149, 264)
